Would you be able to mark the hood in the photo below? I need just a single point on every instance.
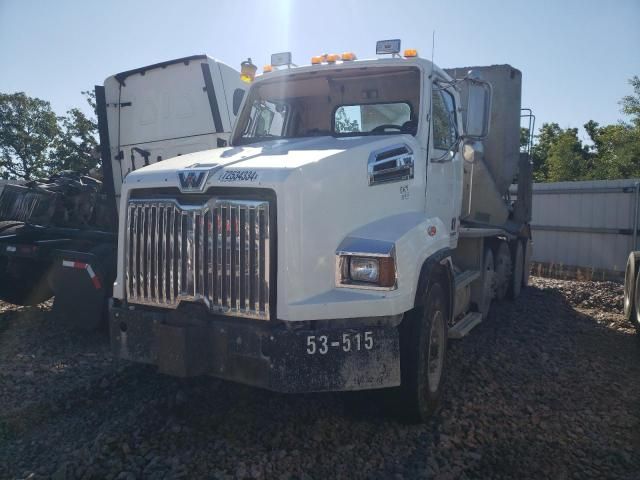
(264, 162)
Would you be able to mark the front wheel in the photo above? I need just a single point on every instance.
(422, 356)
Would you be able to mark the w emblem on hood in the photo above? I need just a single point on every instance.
(193, 180)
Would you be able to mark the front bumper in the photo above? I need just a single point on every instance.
(271, 355)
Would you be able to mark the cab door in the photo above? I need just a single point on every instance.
(444, 170)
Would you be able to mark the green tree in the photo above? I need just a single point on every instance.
(76, 147)
(547, 135)
(34, 143)
(567, 159)
(631, 103)
(616, 148)
(28, 128)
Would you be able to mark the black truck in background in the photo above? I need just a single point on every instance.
(58, 236)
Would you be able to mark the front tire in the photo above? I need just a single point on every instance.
(630, 276)
(422, 356)
(635, 316)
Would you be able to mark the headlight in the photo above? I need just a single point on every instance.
(358, 271)
(366, 263)
(362, 269)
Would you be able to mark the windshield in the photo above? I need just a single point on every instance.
(347, 102)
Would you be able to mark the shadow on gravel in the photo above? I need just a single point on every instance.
(538, 390)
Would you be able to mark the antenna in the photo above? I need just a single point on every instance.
(433, 49)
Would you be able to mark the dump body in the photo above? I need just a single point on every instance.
(488, 180)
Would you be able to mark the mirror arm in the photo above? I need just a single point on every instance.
(450, 153)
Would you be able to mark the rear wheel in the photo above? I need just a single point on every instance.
(504, 270)
(488, 283)
(423, 351)
(630, 275)
(23, 281)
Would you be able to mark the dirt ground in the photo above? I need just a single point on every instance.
(547, 387)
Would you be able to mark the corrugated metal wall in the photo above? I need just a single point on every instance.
(584, 224)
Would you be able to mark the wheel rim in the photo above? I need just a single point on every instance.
(435, 356)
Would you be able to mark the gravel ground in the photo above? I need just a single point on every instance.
(547, 387)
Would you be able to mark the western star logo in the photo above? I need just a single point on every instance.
(192, 179)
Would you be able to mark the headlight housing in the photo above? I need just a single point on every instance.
(369, 272)
(366, 264)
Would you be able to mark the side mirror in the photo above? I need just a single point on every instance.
(478, 109)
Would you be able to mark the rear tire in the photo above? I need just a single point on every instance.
(22, 281)
(504, 270)
(518, 270)
(423, 345)
(30, 287)
(488, 283)
(630, 276)
(8, 226)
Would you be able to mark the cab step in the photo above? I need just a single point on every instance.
(464, 326)
(464, 278)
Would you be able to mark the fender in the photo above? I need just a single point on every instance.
(438, 263)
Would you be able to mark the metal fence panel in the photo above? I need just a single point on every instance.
(585, 225)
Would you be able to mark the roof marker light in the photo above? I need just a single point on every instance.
(410, 52)
(317, 60)
(348, 56)
(267, 69)
(333, 58)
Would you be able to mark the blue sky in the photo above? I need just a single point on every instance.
(575, 56)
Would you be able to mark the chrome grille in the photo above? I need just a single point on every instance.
(216, 253)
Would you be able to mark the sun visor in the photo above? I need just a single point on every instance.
(310, 87)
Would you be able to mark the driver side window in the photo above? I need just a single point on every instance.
(444, 120)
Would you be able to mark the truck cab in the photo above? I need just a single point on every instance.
(320, 250)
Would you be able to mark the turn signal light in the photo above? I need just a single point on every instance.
(317, 60)
(411, 52)
(267, 69)
(348, 56)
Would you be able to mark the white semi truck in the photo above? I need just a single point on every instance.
(58, 237)
(360, 217)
